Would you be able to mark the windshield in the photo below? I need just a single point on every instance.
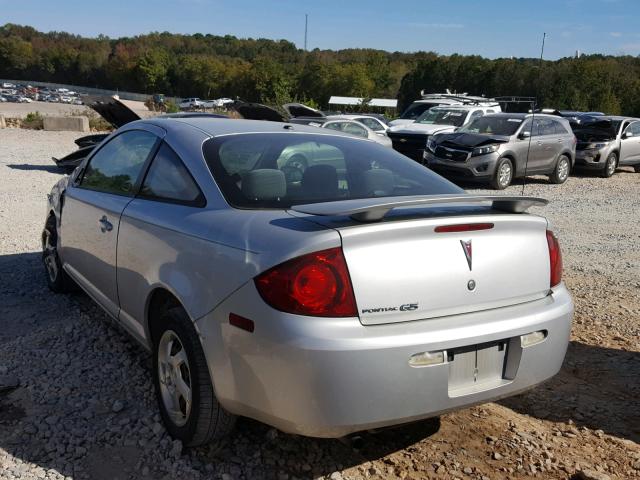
(489, 125)
(280, 170)
(416, 109)
(438, 116)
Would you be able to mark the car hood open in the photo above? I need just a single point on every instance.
(258, 111)
(300, 110)
(471, 139)
(597, 127)
(112, 110)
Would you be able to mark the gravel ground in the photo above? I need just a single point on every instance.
(84, 407)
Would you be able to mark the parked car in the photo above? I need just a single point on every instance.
(353, 127)
(429, 100)
(263, 297)
(190, 103)
(411, 139)
(500, 147)
(371, 122)
(606, 142)
(2, 99)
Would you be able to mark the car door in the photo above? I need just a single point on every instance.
(154, 232)
(543, 146)
(630, 144)
(92, 209)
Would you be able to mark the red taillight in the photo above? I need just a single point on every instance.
(463, 227)
(555, 259)
(316, 284)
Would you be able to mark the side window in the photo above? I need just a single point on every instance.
(475, 114)
(169, 180)
(634, 128)
(355, 129)
(559, 128)
(335, 126)
(526, 127)
(538, 128)
(371, 123)
(115, 168)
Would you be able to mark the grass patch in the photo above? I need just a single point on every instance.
(33, 121)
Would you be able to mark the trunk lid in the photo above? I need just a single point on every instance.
(403, 271)
(408, 259)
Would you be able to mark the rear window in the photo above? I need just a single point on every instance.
(284, 169)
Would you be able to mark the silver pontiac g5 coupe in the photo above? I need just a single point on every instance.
(314, 281)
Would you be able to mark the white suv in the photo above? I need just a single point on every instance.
(411, 139)
(190, 103)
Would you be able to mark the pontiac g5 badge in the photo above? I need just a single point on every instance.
(466, 247)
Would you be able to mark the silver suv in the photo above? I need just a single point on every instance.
(606, 142)
(499, 147)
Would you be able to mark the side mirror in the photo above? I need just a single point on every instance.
(524, 135)
(627, 135)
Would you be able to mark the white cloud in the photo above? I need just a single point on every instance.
(615, 34)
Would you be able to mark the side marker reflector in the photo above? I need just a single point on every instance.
(241, 322)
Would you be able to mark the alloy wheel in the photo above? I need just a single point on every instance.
(175, 378)
(563, 169)
(504, 174)
(611, 165)
(50, 255)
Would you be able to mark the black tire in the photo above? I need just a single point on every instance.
(562, 170)
(636, 168)
(503, 175)
(206, 420)
(58, 280)
(610, 165)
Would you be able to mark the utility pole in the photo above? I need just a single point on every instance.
(306, 20)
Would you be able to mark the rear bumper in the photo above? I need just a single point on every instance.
(326, 377)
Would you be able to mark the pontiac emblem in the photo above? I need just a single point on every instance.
(466, 247)
(403, 140)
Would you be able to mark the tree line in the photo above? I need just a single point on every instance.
(276, 71)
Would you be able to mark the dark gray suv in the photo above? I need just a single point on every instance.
(499, 147)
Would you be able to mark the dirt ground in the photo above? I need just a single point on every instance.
(85, 406)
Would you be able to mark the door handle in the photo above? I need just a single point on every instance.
(559, 140)
(106, 225)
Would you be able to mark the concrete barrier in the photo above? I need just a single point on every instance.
(3, 124)
(70, 124)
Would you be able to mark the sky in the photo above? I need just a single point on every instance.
(492, 29)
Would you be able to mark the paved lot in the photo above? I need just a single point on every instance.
(85, 406)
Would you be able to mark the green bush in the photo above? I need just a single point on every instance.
(33, 120)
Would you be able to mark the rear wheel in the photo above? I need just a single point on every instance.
(610, 165)
(636, 168)
(183, 385)
(561, 173)
(58, 280)
(503, 175)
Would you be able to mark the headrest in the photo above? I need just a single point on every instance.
(264, 184)
(320, 180)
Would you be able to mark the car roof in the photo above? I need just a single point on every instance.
(617, 117)
(222, 126)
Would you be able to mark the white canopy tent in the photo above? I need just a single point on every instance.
(374, 102)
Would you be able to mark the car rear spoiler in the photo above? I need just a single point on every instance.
(374, 209)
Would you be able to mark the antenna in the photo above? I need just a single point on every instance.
(306, 21)
(533, 114)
